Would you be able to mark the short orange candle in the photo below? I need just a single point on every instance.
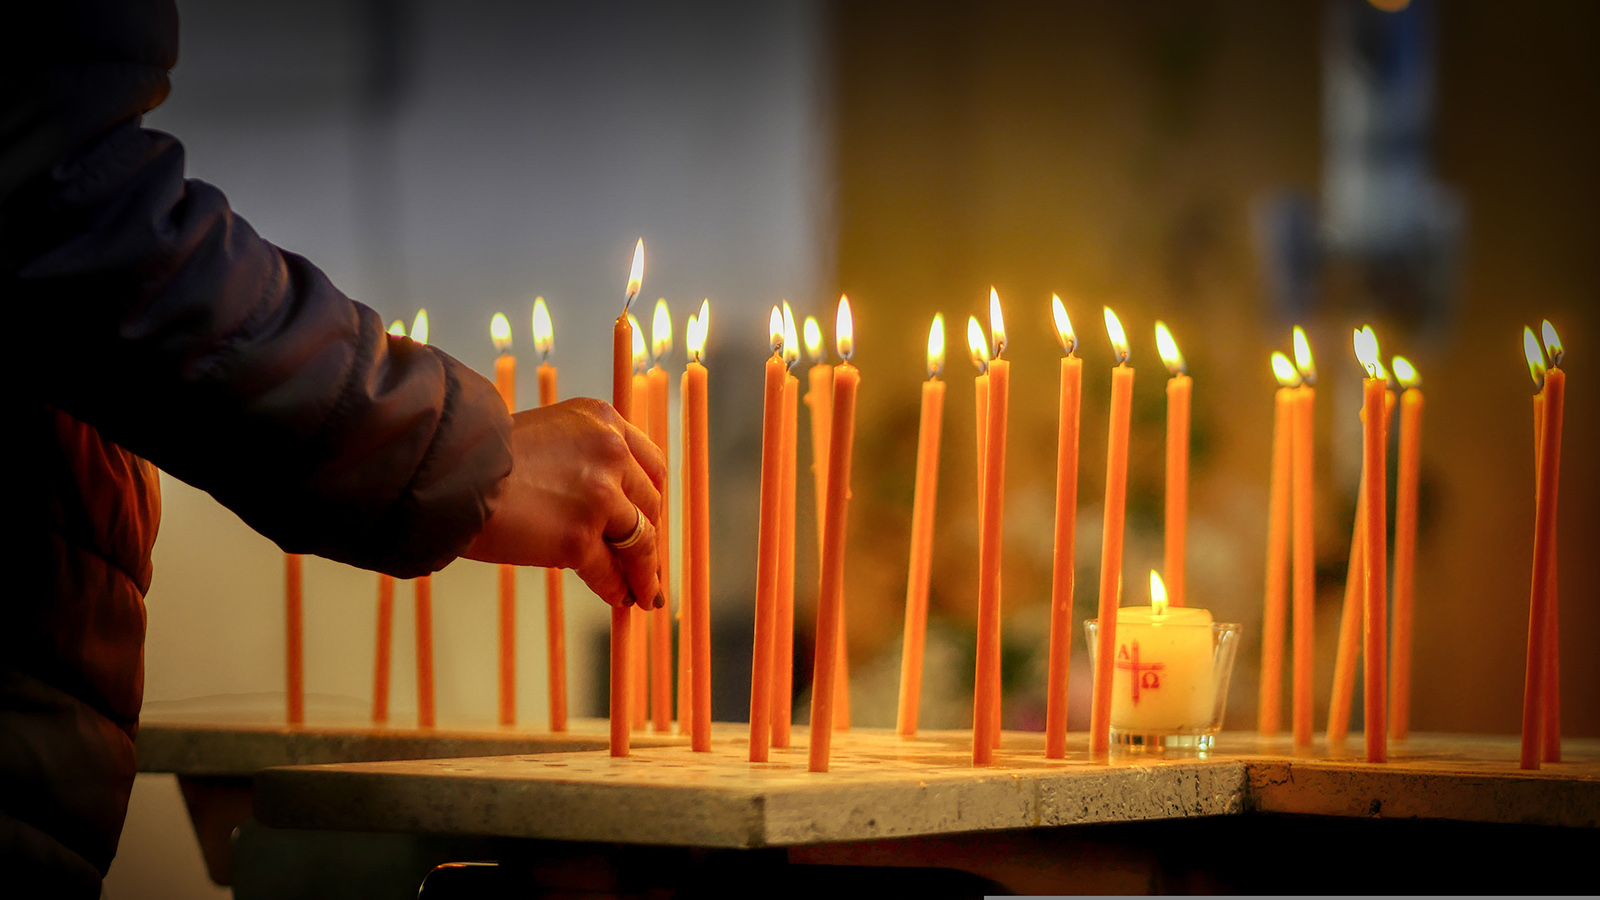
(1303, 515)
(921, 557)
(1353, 616)
(661, 619)
(294, 613)
(783, 632)
(696, 426)
(841, 439)
(639, 637)
(767, 539)
(986, 706)
(1111, 543)
(1375, 651)
(555, 618)
(1063, 569)
(1536, 698)
(621, 687)
(1405, 547)
(1269, 706)
(1176, 522)
(505, 381)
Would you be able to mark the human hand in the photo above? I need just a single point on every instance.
(580, 475)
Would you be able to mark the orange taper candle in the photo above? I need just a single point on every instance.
(922, 505)
(986, 705)
(381, 659)
(1305, 556)
(1405, 546)
(783, 632)
(1176, 523)
(1535, 697)
(1375, 650)
(819, 397)
(767, 539)
(696, 424)
(294, 613)
(686, 561)
(978, 350)
(639, 638)
(661, 619)
(1269, 706)
(1064, 548)
(423, 596)
(621, 687)
(555, 617)
(505, 381)
(1552, 679)
(841, 438)
(1355, 603)
(1111, 542)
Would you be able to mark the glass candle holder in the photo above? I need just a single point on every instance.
(1169, 687)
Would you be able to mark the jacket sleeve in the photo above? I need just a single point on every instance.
(140, 303)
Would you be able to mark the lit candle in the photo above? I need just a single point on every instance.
(978, 350)
(1305, 556)
(686, 560)
(424, 596)
(1536, 697)
(1176, 523)
(1111, 543)
(1552, 678)
(819, 398)
(922, 505)
(841, 439)
(1163, 681)
(1062, 559)
(381, 658)
(639, 634)
(1405, 546)
(783, 634)
(621, 687)
(294, 614)
(1375, 654)
(661, 619)
(505, 381)
(555, 605)
(698, 443)
(767, 543)
(986, 715)
(1277, 588)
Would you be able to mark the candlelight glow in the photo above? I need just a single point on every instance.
(1302, 356)
(1535, 354)
(661, 331)
(1382, 372)
(1406, 373)
(1158, 594)
(775, 331)
(1366, 346)
(544, 335)
(419, 327)
(844, 330)
(1119, 338)
(1064, 332)
(500, 332)
(1284, 371)
(641, 360)
(397, 328)
(702, 332)
(1169, 349)
(936, 346)
(636, 274)
(814, 340)
(791, 343)
(1552, 345)
(977, 347)
(997, 324)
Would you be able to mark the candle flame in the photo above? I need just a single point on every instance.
(1286, 373)
(936, 346)
(1158, 594)
(997, 324)
(1552, 345)
(791, 343)
(661, 331)
(977, 347)
(691, 339)
(397, 328)
(1535, 354)
(775, 331)
(1302, 356)
(699, 331)
(1366, 347)
(500, 332)
(814, 340)
(544, 335)
(641, 359)
(1119, 338)
(419, 327)
(1169, 349)
(635, 274)
(1064, 332)
(1406, 373)
(844, 330)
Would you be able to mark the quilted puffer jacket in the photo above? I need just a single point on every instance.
(146, 321)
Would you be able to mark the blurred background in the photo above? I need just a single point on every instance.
(1231, 167)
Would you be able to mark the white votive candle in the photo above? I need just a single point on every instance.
(1162, 681)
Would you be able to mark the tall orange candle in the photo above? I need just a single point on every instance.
(783, 632)
(639, 637)
(1111, 543)
(1269, 706)
(1405, 547)
(1305, 558)
(696, 424)
(294, 613)
(841, 439)
(1536, 698)
(767, 539)
(921, 557)
(1552, 680)
(978, 349)
(1176, 522)
(1375, 651)
(686, 560)
(661, 619)
(1063, 569)
(621, 687)
(819, 397)
(1353, 616)
(505, 381)
(986, 706)
(424, 597)
(555, 621)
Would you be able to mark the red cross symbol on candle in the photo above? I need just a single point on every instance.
(1145, 675)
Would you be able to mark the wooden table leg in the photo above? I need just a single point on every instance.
(217, 805)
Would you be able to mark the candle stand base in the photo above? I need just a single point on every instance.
(1162, 744)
